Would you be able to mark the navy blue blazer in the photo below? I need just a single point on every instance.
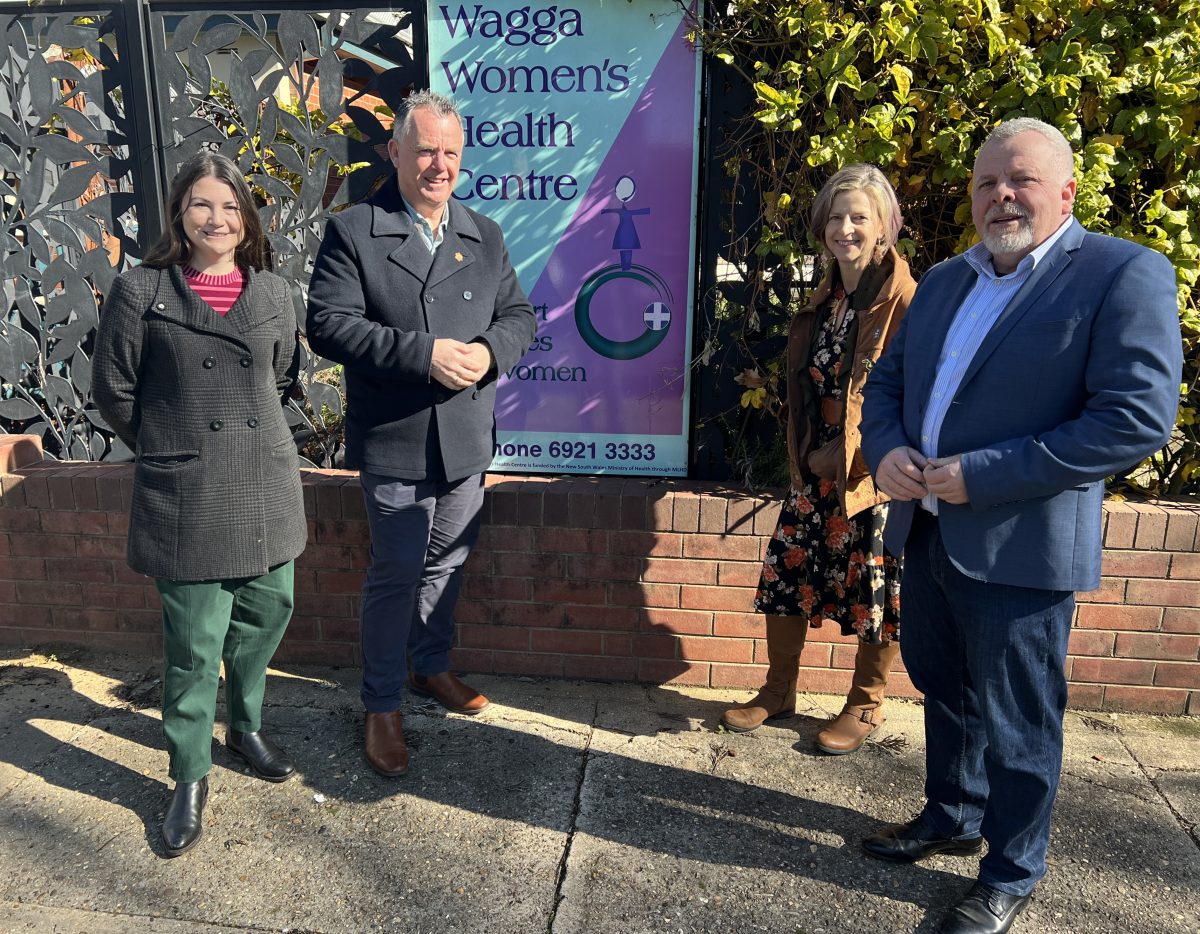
(1078, 379)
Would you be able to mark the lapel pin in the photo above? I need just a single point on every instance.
(467, 296)
(868, 363)
(458, 257)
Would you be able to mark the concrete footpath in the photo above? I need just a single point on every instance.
(565, 808)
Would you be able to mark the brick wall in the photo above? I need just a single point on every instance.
(609, 578)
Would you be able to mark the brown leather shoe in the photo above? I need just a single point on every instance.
(448, 691)
(384, 746)
(849, 729)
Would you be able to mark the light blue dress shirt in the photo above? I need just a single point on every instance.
(972, 322)
(430, 237)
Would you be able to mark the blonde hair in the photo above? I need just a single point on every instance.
(874, 184)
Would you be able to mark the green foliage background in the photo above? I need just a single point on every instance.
(915, 89)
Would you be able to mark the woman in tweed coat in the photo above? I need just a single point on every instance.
(194, 351)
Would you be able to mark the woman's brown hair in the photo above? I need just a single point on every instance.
(173, 247)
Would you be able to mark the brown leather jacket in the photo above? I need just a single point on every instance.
(876, 326)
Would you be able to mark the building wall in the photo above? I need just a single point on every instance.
(604, 578)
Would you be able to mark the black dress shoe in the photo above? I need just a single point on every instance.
(907, 843)
(266, 760)
(984, 910)
(181, 827)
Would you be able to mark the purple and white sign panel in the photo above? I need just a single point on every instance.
(582, 129)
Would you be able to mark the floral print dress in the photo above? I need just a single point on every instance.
(822, 564)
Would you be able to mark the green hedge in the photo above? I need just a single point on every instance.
(915, 89)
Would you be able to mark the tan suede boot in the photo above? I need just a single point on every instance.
(776, 698)
(863, 712)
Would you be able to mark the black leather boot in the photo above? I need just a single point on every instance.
(266, 760)
(181, 827)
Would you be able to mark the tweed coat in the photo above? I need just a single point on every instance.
(216, 489)
(875, 328)
(377, 301)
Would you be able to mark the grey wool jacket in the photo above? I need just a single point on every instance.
(377, 302)
(216, 489)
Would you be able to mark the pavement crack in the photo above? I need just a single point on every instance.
(1190, 828)
(585, 757)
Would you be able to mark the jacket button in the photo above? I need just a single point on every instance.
(245, 361)
(428, 298)
(210, 362)
(252, 422)
(160, 306)
(475, 394)
(441, 397)
(216, 424)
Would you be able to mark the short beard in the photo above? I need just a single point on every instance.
(1016, 241)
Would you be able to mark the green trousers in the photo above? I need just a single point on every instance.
(240, 621)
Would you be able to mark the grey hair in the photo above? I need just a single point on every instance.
(1064, 158)
(874, 184)
(440, 104)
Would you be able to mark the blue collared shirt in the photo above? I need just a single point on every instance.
(976, 316)
(430, 237)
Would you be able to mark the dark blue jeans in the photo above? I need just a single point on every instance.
(990, 660)
(421, 533)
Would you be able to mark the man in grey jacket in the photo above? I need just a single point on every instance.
(416, 296)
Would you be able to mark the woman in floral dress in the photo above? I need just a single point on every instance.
(826, 560)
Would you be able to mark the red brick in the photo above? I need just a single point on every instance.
(749, 677)
(598, 668)
(1111, 590)
(474, 660)
(691, 622)
(1163, 593)
(608, 508)
(148, 620)
(1151, 526)
(813, 655)
(716, 598)
(339, 581)
(1181, 619)
(603, 568)
(118, 524)
(663, 671)
(23, 569)
(526, 663)
(843, 654)
(1181, 529)
(335, 605)
(5, 545)
(656, 645)
(729, 547)
(581, 505)
(676, 570)
(1193, 707)
(353, 506)
(334, 630)
(101, 547)
(700, 649)
(1186, 566)
(302, 629)
(493, 637)
(119, 597)
(37, 492)
(329, 501)
(1091, 642)
(490, 587)
(617, 643)
(19, 520)
(1158, 646)
(335, 557)
(505, 507)
(686, 515)
(567, 592)
(83, 570)
(824, 680)
(712, 513)
(1135, 563)
(634, 514)
(62, 492)
(1118, 616)
(13, 616)
(1085, 696)
(644, 595)
(648, 544)
(1145, 699)
(1120, 526)
(517, 564)
(620, 619)
(564, 641)
(660, 509)
(472, 611)
(86, 499)
(84, 618)
(50, 593)
(1112, 671)
(341, 532)
(1177, 675)
(44, 546)
(739, 515)
(333, 654)
(739, 573)
(741, 625)
(570, 541)
(17, 451)
(123, 574)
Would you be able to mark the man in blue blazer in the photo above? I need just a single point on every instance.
(1027, 370)
(416, 296)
